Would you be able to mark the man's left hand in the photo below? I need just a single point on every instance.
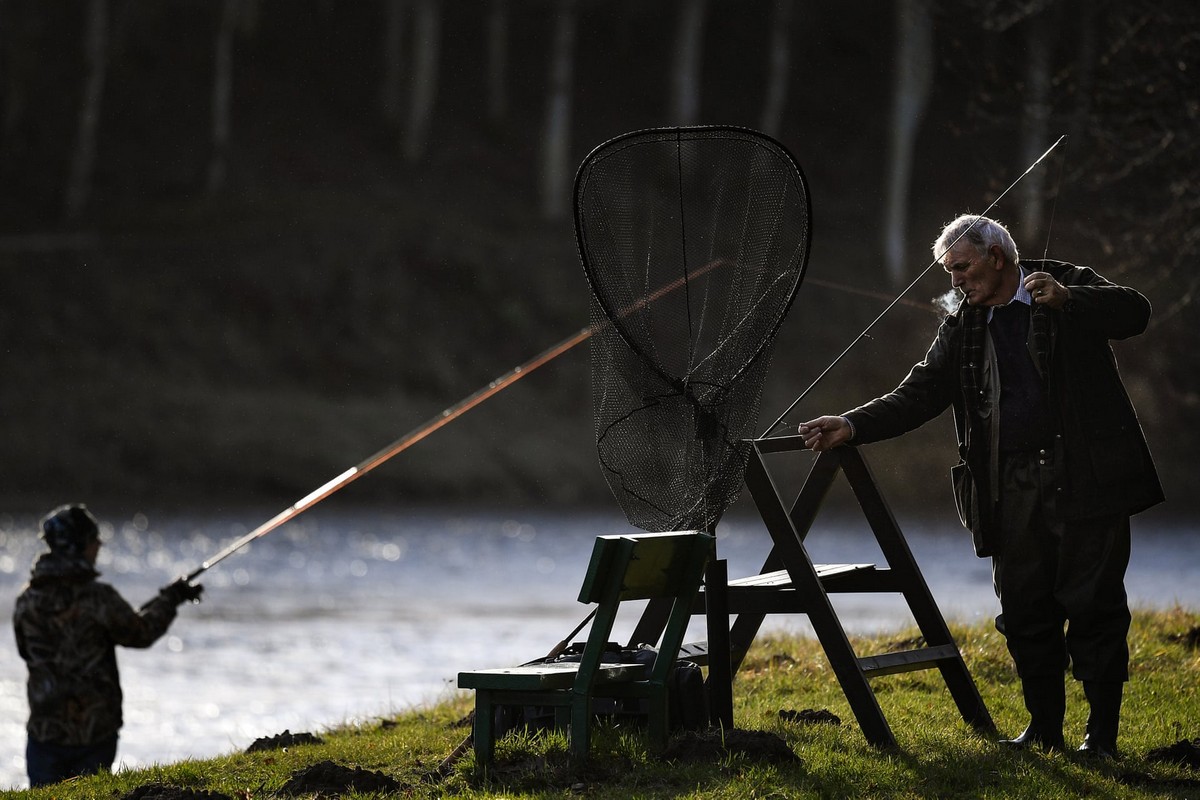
(1046, 291)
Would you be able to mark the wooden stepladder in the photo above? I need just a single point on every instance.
(791, 583)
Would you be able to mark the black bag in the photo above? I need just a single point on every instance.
(687, 699)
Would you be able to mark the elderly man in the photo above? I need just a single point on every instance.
(67, 626)
(1052, 461)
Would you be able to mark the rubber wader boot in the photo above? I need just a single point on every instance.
(1104, 716)
(1046, 701)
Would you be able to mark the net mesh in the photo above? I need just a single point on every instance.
(694, 242)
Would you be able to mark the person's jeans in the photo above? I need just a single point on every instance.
(51, 763)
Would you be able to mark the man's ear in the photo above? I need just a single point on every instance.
(998, 253)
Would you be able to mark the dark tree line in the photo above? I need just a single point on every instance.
(1112, 74)
(113, 110)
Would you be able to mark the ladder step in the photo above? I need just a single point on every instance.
(780, 579)
(696, 652)
(907, 660)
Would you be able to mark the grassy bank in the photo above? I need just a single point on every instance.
(938, 755)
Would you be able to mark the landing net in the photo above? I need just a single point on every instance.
(694, 242)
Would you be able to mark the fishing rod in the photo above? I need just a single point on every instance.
(447, 416)
(906, 289)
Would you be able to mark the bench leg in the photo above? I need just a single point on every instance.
(658, 720)
(484, 729)
(579, 735)
(720, 667)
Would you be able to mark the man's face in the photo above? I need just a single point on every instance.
(978, 277)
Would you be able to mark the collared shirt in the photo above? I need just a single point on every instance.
(1022, 295)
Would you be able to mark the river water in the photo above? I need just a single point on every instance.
(353, 615)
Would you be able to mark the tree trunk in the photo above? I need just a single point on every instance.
(427, 45)
(83, 161)
(1035, 125)
(393, 61)
(222, 96)
(689, 49)
(777, 74)
(910, 95)
(498, 62)
(556, 171)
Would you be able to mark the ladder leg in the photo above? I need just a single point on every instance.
(914, 588)
(966, 696)
(820, 611)
(853, 682)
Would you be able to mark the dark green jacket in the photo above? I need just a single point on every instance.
(1106, 466)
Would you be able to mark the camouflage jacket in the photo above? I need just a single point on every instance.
(67, 627)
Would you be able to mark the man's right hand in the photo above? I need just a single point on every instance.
(181, 592)
(825, 433)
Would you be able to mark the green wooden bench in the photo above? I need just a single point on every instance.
(625, 567)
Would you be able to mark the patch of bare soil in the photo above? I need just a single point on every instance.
(328, 779)
(712, 745)
(164, 791)
(282, 740)
(810, 716)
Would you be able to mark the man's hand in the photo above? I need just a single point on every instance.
(182, 592)
(1047, 291)
(825, 433)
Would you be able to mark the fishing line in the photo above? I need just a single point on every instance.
(1062, 162)
(441, 420)
(905, 291)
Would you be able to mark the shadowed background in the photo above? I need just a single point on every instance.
(245, 244)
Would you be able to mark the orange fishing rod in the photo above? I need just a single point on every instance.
(441, 420)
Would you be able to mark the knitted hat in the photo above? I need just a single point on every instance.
(70, 529)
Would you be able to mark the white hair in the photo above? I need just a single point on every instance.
(981, 233)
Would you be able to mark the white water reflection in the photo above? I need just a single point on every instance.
(354, 615)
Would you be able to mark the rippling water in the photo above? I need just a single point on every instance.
(351, 616)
